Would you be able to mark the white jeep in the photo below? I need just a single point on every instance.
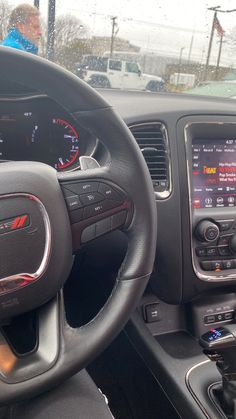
(118, 74)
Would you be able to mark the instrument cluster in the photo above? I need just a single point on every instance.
(38, 129)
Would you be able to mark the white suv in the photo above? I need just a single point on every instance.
(118, 74)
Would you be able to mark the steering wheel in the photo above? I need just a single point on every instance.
(45, 216)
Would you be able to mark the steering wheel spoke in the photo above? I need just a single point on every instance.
(96, 206)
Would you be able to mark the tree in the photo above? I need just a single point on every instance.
(70, 42)
(5, 11)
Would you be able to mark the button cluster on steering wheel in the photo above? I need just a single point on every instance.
(89, 199)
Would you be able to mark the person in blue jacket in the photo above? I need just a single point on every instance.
(24, 29)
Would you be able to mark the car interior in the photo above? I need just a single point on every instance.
(118, 244)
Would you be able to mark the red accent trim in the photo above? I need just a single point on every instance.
(22, 221)
(14, 225)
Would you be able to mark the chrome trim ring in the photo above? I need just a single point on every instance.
(22, 279)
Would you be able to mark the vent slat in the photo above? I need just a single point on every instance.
(151, 141)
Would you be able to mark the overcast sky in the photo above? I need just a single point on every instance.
(155, 25)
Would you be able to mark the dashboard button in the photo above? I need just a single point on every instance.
(206, 265)
(91, 198)
(109, 192)
(201, 251)
(224, 251)
(209, 319)
(229, 315)
(228, 264)
(73, 202)
(224, 240)
(225, 225)
(82, 188)
(212, 251)
(217, 265)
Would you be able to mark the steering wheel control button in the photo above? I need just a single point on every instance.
(89, 233)
(83, 188)
(109, 192)
(225, 225)
(201, 251)
(103, 226)
(76, 216)
(73, 202)
(152, 313)
(118, 220)
(99, 208)
(91, 198)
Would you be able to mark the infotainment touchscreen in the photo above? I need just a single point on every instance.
(213, 173)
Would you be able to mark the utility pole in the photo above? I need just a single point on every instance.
(36, 3)
(215, 9)
(51, 29)
(113, 34)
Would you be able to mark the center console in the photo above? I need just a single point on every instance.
(211, 159)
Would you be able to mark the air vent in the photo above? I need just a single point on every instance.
(153, 142)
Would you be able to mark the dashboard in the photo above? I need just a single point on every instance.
(196, 201)
(35, 128)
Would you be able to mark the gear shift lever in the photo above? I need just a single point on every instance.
(220, 345)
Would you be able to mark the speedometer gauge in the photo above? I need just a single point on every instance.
(68, 143)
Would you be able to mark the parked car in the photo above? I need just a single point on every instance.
(118, 74)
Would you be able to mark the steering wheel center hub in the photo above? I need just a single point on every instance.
(28, 221)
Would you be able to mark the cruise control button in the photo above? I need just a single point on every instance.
(225, 225)
(103, 226)
(117, 220)
(212, 251)
(109, 192)
(91, 198)
(99, 208)
(201, 251)
(82, 188)
(73, 202)
(76, 216)
(89, 233)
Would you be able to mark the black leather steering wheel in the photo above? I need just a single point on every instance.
(44, 218)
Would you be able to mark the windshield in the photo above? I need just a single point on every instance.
(186, 47)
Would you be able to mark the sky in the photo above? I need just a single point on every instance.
(164, 27)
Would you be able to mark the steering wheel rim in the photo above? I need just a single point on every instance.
(127, 173)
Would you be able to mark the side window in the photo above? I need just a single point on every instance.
(115, 65)
(132, 67)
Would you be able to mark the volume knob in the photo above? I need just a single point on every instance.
(206, 231)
